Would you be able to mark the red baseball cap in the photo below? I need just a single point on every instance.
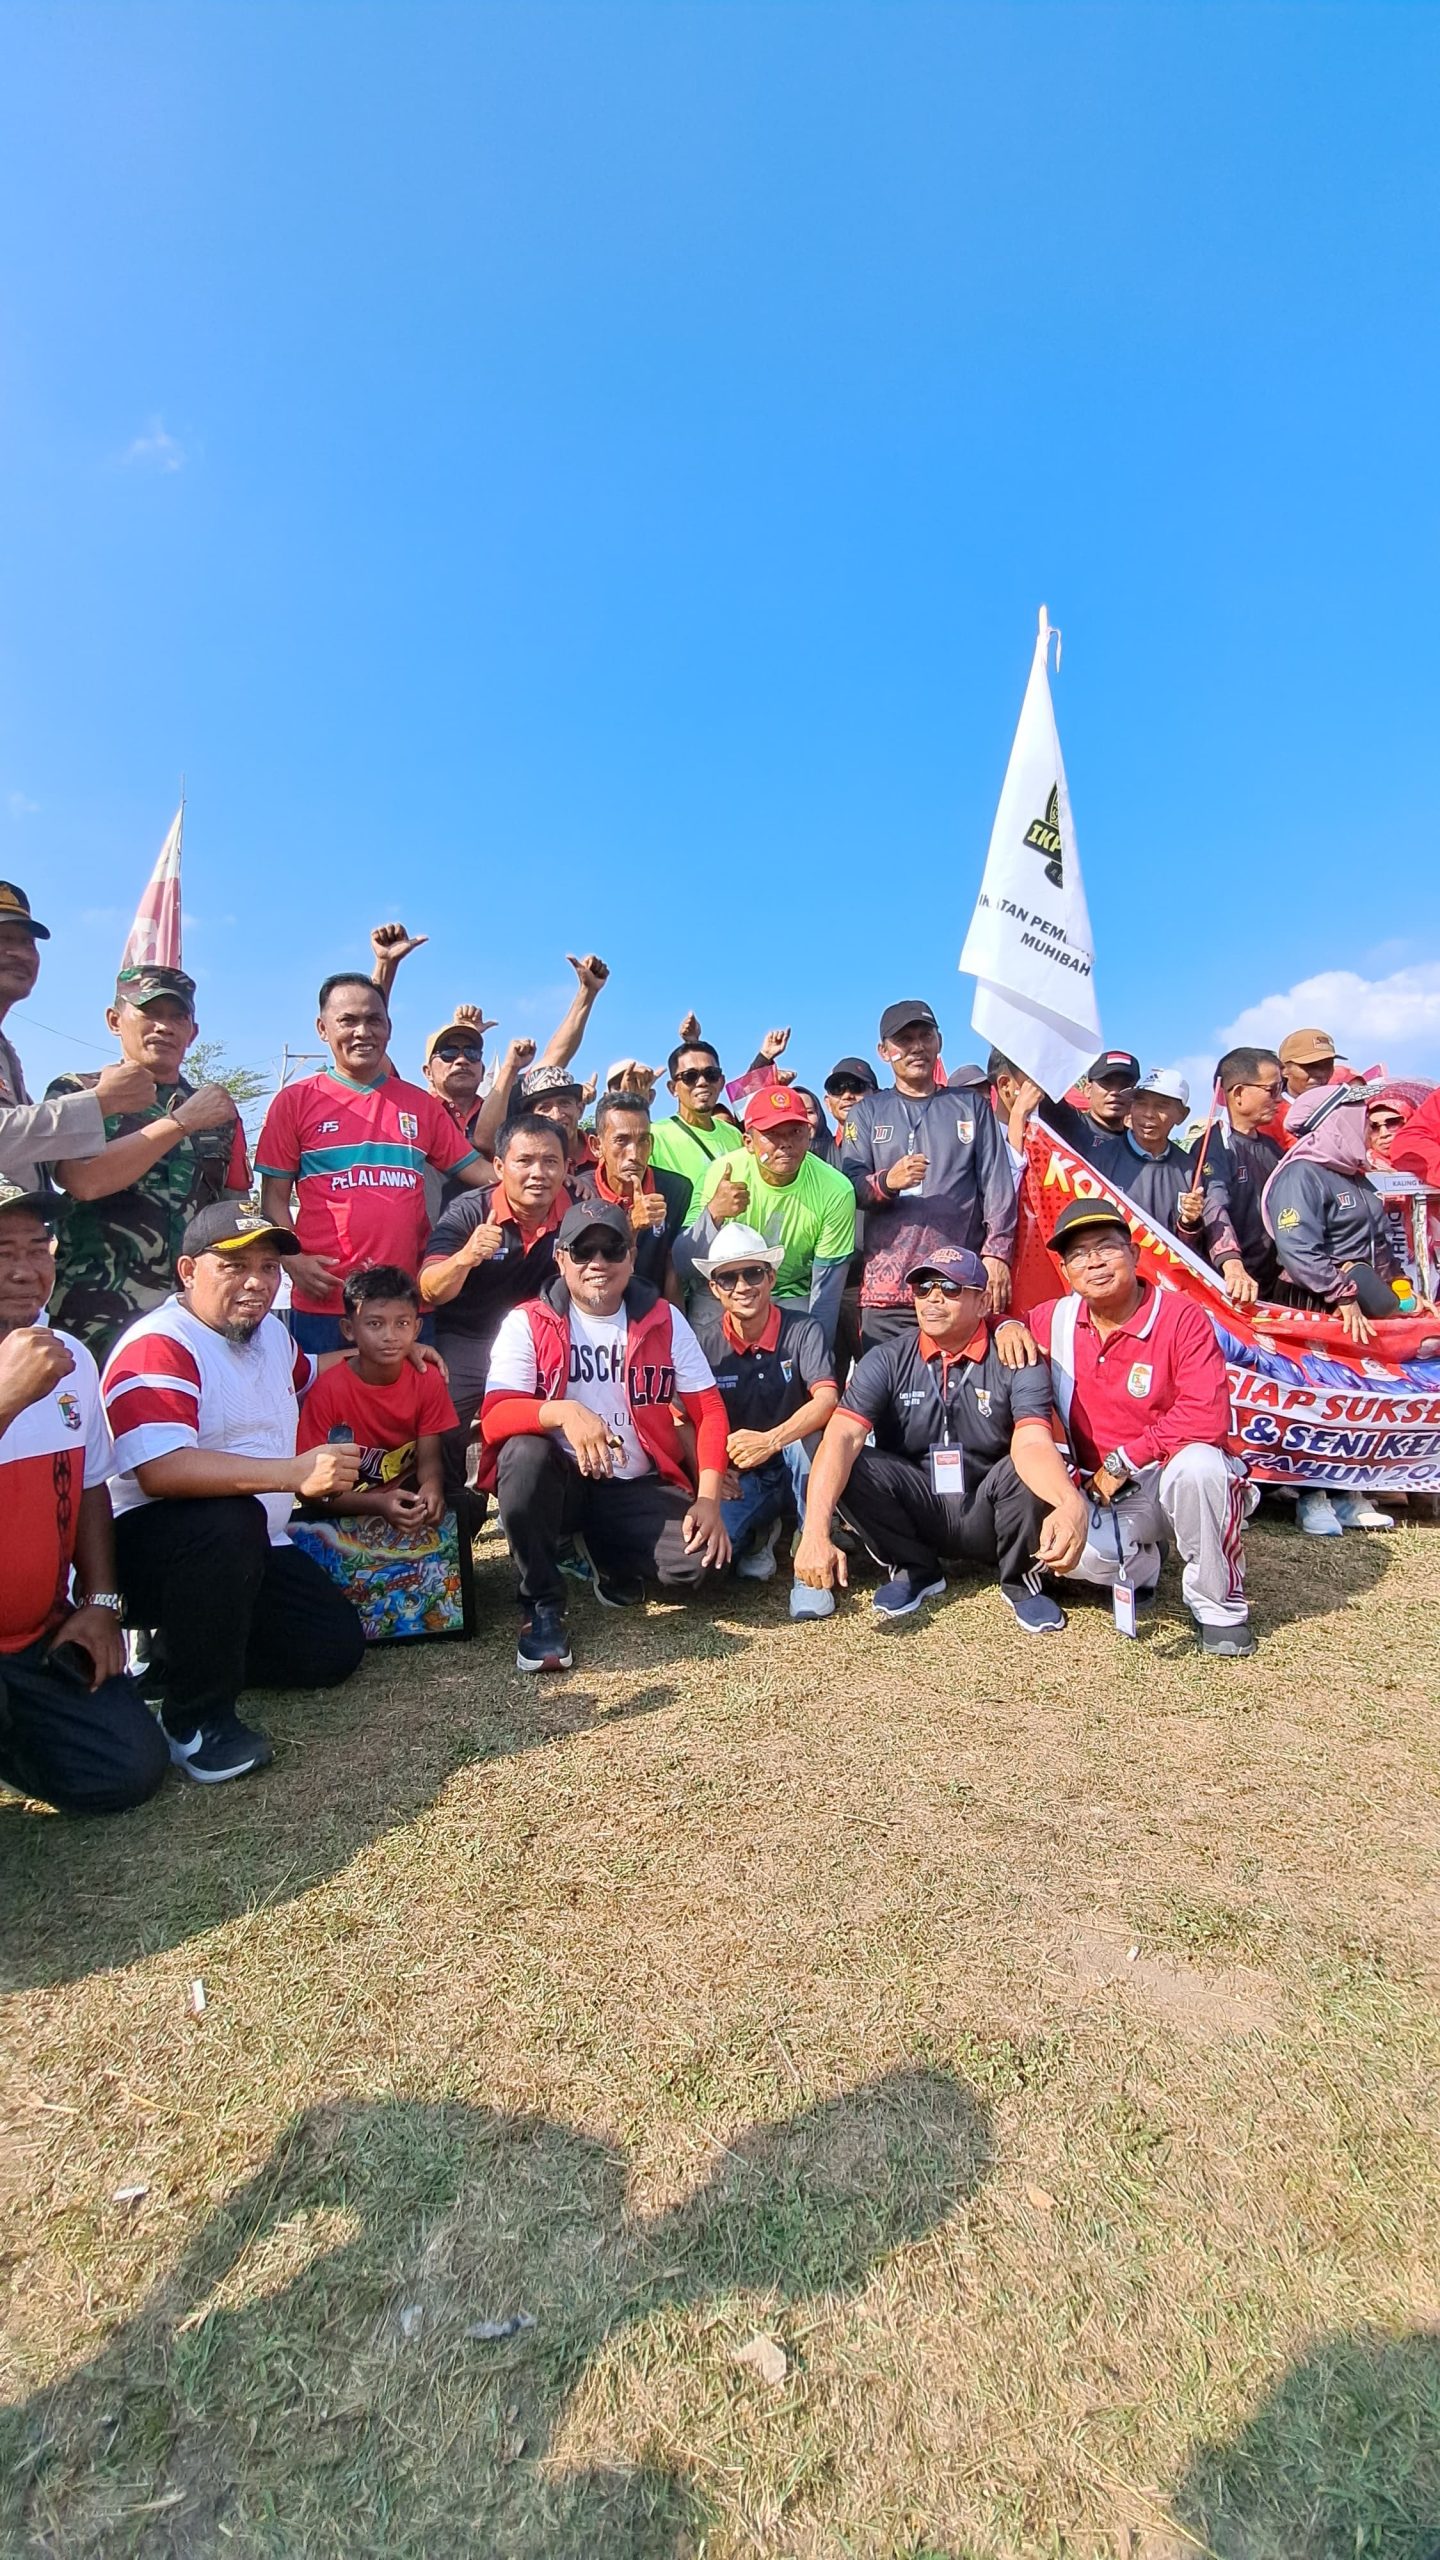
(771, 1106)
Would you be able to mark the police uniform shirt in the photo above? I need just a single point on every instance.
(764, 1382)
(914, 1400)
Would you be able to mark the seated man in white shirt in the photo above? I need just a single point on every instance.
(201, 1396)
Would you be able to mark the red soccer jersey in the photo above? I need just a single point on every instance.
(357, 1156)
(1150, 1387)
(387, 1421)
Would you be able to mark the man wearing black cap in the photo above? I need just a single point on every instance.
(848, 1082)
(74, 1731)
(126, 1210)
(580, 1418)
(963, 1464)
(202, 1400)
(33, 1133)
(928, 1167)
(1140, 1387)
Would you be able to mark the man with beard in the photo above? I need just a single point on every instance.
(202, 1400)
(118, 1230)
(33, 1133)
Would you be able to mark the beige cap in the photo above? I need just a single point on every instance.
(1306, 1048)
(467, 1030)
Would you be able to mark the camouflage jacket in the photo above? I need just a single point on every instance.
(115, 1258)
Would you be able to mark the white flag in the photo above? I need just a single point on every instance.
(1029, 946)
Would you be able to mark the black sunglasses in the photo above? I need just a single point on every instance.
(929, 1282)
(698, 1075)
(460, 1049)
(739, 1275)
(603, 1249)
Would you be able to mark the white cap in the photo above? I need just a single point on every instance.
(739, 1243)
(1175, 1088)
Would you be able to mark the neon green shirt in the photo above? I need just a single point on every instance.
(678, 1147)
(813, 1217)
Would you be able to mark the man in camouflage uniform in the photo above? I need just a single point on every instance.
(126, 1209)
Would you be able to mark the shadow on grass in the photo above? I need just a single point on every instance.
(350, 1765)
(302, 2383)
(1342, 2456)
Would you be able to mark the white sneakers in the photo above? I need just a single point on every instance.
(1329, 1515)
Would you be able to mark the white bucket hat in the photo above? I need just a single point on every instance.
(739, 1243)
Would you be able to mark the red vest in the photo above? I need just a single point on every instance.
(649, 1381)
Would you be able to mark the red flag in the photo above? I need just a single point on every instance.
(155, 934)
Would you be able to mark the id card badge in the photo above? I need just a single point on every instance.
(947, 1469)
(1123, 1595)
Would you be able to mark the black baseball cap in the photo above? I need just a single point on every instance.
(586, 1216)
(1113, 1062)
(967, 1078)
(852, 1071)
(228, 1226)
(15, 909)
(43, 1204)
(142, 986)
(539, 1082)
(1079, 1214)
(896, 1016)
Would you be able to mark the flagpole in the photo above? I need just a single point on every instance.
(1205, 1141)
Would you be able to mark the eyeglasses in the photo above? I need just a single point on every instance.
(1101, 1251)
(1385, 1121)
(698, 1075)
(601, 1249)
(740, 1275)
(932, 1285)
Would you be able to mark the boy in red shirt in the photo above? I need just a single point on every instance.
(395, 1411)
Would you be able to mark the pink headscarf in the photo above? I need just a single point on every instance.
(1339, 1143)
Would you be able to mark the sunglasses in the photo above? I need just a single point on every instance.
(845, 1092)
(932, 1284)
(466, 1049)
(1386, 1120)
(603, 1249)
(699, 1075)
(740, 1275)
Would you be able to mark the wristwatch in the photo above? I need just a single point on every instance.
(1118, 1465)
(101, 1600)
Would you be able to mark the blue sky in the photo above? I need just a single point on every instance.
(586, 476)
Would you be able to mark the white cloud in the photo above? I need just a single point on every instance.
(1388, 1018)
(1394, 1019)
(156, 449)
(21, 807)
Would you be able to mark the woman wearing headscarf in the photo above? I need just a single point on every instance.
(1325, 1216)
(1329, 1230)
(1412, 1219)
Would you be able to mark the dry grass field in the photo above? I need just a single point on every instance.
(1035, 2046)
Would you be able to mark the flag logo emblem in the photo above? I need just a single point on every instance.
(69, 1409)
(1043, 836)
(409, 1125)
(1138, 1382)
(1288, 1218)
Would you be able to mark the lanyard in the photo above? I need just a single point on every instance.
(942, 1394)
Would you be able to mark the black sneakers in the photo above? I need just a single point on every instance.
(211, 1753)
(1231, 1644)
(617, 1590)
(544, 1641)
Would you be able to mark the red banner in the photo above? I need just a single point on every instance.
(1306, 1406)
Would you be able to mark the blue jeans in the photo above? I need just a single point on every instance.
(762, 1493)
